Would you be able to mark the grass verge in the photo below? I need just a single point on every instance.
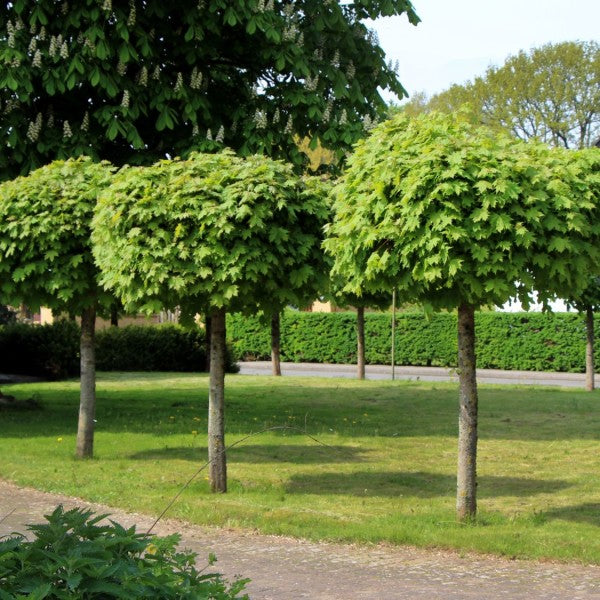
(387, 473)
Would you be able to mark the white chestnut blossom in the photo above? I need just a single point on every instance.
(67, 133)
(260, 118)
(132, 14)
(34, 129)
(179, 82)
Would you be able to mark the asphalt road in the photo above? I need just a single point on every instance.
(416, 373)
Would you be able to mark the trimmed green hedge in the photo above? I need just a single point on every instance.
(52, 351)
(150, 348)
(514, 341)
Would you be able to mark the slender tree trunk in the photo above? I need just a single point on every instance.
(114, 316)
(216, 404)
(393, 334)
(207, 334)
(276, 344)
(360, 342)
(466, 496)
(87, 403)
(589, 349)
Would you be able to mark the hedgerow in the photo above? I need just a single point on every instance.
(52, 351)
(514, 341)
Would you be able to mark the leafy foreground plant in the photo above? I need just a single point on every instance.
(72, 556)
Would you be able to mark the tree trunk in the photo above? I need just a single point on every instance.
(114, 316)
(216, 404)
(207, 334)
(466, 496)
(589, 349)
(87, 403)
(393, 334)
(276, 344)
(360, 342)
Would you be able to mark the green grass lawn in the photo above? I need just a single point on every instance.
(387, 473)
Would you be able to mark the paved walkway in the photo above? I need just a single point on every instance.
(416, 373)
(288, 569)
(262, 367)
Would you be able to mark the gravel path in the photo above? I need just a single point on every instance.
(288, 569)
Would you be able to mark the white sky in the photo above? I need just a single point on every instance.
(458, 39)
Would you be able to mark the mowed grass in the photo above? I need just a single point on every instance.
(387, 472)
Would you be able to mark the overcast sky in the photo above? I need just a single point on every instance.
(459, 39)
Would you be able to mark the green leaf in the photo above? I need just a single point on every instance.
(124, 53)
(95, 77)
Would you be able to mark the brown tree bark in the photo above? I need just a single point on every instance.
(207, 334)
(589, 349)
(87, 403)
(360, 342)
(276, 344)
(216, 404)
(466, 489)
(393, 334)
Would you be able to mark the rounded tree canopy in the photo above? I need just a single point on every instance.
(45, 247)
(449, 213)
(376, 300)
(211, 231)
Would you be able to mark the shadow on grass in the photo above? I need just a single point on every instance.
(257, 454)
(580, 513)
(419, 484)
(167, 404)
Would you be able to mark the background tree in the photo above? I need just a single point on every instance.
(416, 104)
(314, 283)
(457, 218)
(46, 257)
(551, 93)
(212, 231)
(132, 82)
(588, 301)
(360, 302)
(587, 304)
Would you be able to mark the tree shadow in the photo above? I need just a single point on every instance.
(588, 512)
(419, 484)
(258, 454)
(162, 404)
